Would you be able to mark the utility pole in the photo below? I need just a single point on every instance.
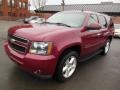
(29, 5)
(63, 5)
(11, 7)
(39, 2)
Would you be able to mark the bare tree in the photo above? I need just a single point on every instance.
(34, 3)
(29, 8)
(10, 5)
(39, 5)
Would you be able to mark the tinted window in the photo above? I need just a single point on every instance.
(93, 19)
(68, 18)
(102, 21)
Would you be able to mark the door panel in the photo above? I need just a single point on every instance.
(104, 30)
(90, 41)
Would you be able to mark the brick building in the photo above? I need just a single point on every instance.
(13, 8)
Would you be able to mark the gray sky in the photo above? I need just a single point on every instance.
(79, 1)
(58, 2)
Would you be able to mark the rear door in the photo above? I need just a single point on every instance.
(90, 38)
(104, 30)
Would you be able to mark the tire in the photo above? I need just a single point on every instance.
(67, 66)
(106, 48)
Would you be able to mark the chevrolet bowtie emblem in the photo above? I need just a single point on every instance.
(12, 40)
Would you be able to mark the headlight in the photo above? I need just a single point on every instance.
(41, 48)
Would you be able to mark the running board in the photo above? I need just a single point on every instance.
(90, 56)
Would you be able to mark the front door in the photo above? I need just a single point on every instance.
(90, 38)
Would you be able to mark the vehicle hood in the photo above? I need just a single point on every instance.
(36, 31)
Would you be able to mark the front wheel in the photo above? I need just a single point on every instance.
(106, 47)
(67, 66)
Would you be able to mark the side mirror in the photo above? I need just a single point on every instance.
(93, 26)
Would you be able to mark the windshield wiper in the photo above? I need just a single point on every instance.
(48, 22)
(57, 24)
(63, 24)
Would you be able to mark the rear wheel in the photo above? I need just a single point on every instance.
(66, 66)
(106, 47)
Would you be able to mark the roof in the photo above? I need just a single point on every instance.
(79, 11)
(112, 7)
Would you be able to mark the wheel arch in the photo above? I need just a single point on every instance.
(75, 47)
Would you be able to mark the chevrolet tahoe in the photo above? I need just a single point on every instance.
(54, 47)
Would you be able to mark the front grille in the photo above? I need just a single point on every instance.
(19, 39)
(17, 48)
(18, 44)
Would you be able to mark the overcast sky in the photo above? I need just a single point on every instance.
(58, 2)
(79, 1)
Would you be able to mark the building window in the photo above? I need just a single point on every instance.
(0, 2)
(11, 3)
(9, 13)
(23, 4)
(13, 14)
(1, 13)
(26, 5)
(20, 15)
(24, 15)
(20, 4)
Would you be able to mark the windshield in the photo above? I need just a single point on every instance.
(117, 26)
(70, 19)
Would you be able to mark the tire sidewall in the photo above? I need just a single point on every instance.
(104, 52)
(64, 58)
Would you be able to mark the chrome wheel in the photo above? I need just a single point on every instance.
(69, 66)
(107, 47)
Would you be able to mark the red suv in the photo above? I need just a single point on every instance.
(54, 47)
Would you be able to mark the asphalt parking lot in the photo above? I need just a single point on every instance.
(99, 73)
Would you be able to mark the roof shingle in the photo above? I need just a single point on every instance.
(115, 7)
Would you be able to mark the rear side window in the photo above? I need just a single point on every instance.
(102, 21)
(93, 19)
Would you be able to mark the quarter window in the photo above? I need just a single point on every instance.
(102, 21)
